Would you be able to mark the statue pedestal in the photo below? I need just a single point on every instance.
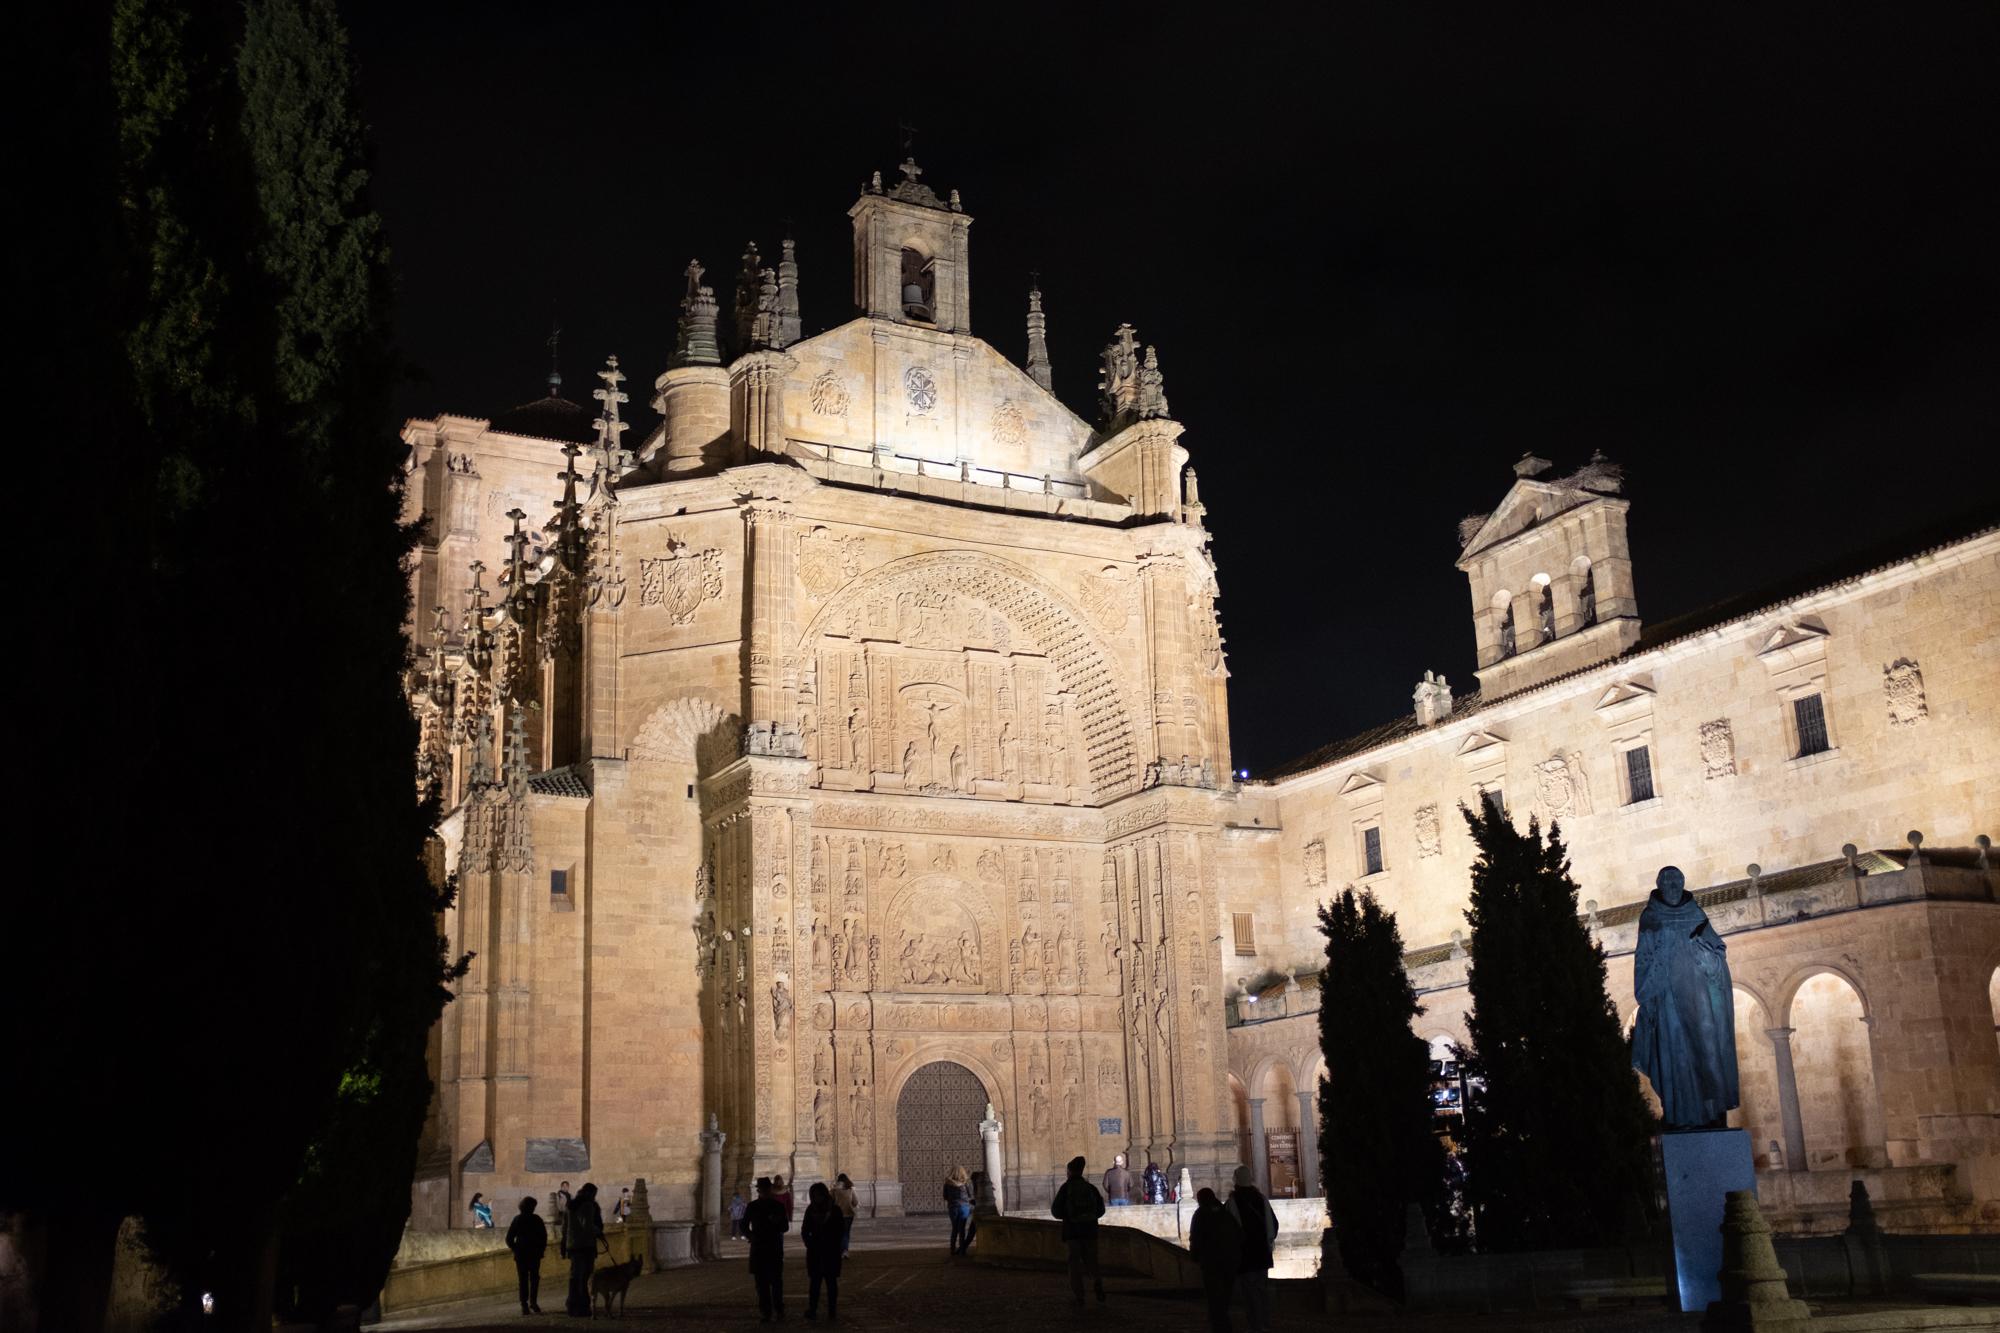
(1702, 1166)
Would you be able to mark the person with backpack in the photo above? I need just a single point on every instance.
(1079, 1205)
(528, 1239)
(586, 1232)
(482, 1211)
(1253, 1212)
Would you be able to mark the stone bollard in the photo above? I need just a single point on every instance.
(639, 1229)
(1754, 1291)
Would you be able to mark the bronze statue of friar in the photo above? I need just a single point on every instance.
(1685, 1037)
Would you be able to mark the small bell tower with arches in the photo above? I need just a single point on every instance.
(910, 254)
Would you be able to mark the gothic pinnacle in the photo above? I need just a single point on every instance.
(749, 286)
(1038, 342)
(611, 454)
(696, 345)
(786, 330)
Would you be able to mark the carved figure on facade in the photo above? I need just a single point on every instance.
(1903, 683)
(1718, 749)
(781, 1008)
(680, 581)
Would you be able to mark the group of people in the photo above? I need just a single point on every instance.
(826, 1229)
(1234, 1242)
(1152, 1184)
(579, 1220)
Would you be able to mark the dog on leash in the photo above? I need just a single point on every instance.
(613, 1281)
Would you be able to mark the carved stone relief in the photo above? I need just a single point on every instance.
(827, 395)
(1718, 749)
(1560, 782)
(1010, 426)
(1315, 863)
(827, 559)
(1903, 683)
(681, 581)
(1430, 841)
(921, 389)
(684, 729)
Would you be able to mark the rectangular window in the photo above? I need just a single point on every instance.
(559, 884)
(1246, 932)
(1495, 799)
(1371, 851)
(1638, 774)
(1809, 717)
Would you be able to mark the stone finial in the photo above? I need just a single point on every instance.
(785, 315)
(1984, 843)
(1118, 382)
(1531, 466)
(514, 772)
(517, 545)
(695, 343)
(1433, 699)
(1916, 847)
(1756, 874)
(1039, 369)
(749, 287)
(611, 426)
(1754, 1291)
(1458, 944)
(1152, 389)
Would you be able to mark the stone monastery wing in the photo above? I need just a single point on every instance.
(869, 388)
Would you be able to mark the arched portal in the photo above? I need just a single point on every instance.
(937, 1128)
(1838, 1104)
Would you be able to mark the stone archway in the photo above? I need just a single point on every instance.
(937, 1127)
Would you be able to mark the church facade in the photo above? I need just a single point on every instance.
(847, 763)
(844, 760)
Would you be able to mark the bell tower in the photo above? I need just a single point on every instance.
(910, 261)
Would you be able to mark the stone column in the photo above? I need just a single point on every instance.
(1260, 1152)
(1788, 1099)
(989, 1143)
(1309, 1182)
(710, 1243)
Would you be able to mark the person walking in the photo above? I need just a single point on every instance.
(958, 1202)
(737, 1205)
(1118, 1183)
(560, 1206)
(783, 1194)
(1215, 1240)
(528, 1239)
(482, 1211)
(1079, 1205)
(622, 1210)
(843, 1196)
(1259, 1221)
(586, 1229)
(823, 1231)
(764, 1221)
(1153, 1184)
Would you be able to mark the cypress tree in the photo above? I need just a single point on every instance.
(1376, 1148)
(238, 1058)
(1557, 1149)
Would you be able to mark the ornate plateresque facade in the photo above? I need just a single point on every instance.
(870, 714)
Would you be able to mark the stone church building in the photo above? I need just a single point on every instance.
(846, 763)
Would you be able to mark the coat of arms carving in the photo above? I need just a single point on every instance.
(1718, 749)
(1315, 863)
(827, 559)
(1429, 841)
(1560, 782)
(1109, 596)
(1903, 682)
(827, 395)
(680, 581)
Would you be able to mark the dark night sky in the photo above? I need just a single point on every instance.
(1382, 250)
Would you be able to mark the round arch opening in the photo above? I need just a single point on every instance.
(937, 1128)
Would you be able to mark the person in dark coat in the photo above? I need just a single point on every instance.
(529, 1241)
(765, 1223)
(586, 1230)
(958, 1203)
(824, 1232)
(1260, 1234)
(1079, 1205)
(1216, 1242)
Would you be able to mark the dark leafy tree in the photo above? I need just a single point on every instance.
(1557, 1149)
(1376, 1147)
(235, 1049)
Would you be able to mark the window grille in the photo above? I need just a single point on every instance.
(1639, 773)
(1809, 716)
(1246, 932)
(1371, 851)
(1586, 597)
